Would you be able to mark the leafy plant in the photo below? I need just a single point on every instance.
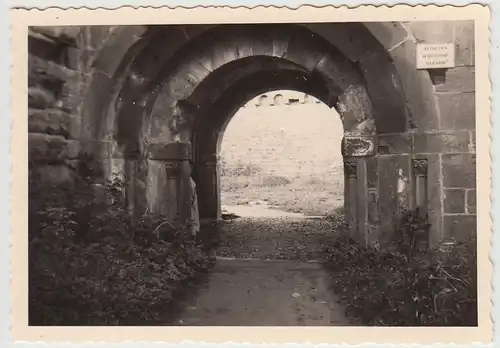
(413, 286)
(91, 263)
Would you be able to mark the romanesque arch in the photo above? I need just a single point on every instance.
(170, 91)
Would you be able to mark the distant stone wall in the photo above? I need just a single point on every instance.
(296, 140)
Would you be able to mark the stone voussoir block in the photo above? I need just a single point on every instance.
(53, 122)
(441, 142)
(358, 146)
(454, 201)
(459, 170)
(170, 151)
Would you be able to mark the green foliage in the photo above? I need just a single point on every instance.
(412, 286)
(91, 263)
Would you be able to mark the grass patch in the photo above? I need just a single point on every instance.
(91, 263)
(273, 181)
(410, 286)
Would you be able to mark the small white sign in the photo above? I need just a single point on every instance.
(435, 56)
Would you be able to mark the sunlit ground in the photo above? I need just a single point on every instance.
(286, 155)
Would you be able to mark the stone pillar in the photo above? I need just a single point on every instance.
(419, 168)
(356, 151)
(207, 184)
(351, 197)
(169, 193)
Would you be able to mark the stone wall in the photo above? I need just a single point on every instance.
(53, 101)
(449, 146)
(87, 97)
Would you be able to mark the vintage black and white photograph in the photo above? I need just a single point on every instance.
(294, 173)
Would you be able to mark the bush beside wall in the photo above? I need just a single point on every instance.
(90, 263)
(408, 286)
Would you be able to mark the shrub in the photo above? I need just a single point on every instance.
(274, 181)
(408, 287)
(91, 263)
(238, 169)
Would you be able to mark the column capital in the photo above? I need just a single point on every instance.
(351, 169)
(358, 146)
(420, 166)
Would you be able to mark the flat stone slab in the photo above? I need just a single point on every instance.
(253, 292)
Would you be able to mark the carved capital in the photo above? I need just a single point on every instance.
(419, 167)
(173, 169)
(351, 169)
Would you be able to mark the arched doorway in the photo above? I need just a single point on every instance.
(176, 99)
(277, 160)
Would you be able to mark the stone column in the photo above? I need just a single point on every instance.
(419, 168)
(169, 193)
(356, 150)
(207, 175)
(351, 197)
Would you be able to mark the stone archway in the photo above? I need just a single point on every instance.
(174, 103)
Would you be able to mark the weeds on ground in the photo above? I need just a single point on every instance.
(411, 286)
(90, 263)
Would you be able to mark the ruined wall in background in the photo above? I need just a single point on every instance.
(297, 139)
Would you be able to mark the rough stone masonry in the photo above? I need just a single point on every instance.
(148, 101)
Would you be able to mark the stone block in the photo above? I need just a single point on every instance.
(434, 203)
(96, 35)
(457, 111)
(342, 36)
(116, 47)
(95, 106)
(56, 174)
(459, 170)
(441, 142)
(40, 98)
(394, 184)
(357, 146)
(372, 172)
(100, 149)
(471, 201)
(464, 43)
(459, 227)
(388, 34)
(459, 79)
(433, 31)
(50, 148)
(417, 87)
(53, 121)
(373, 209)
(394, 144)
(383, 82)
(170, 151)
(454, 201)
